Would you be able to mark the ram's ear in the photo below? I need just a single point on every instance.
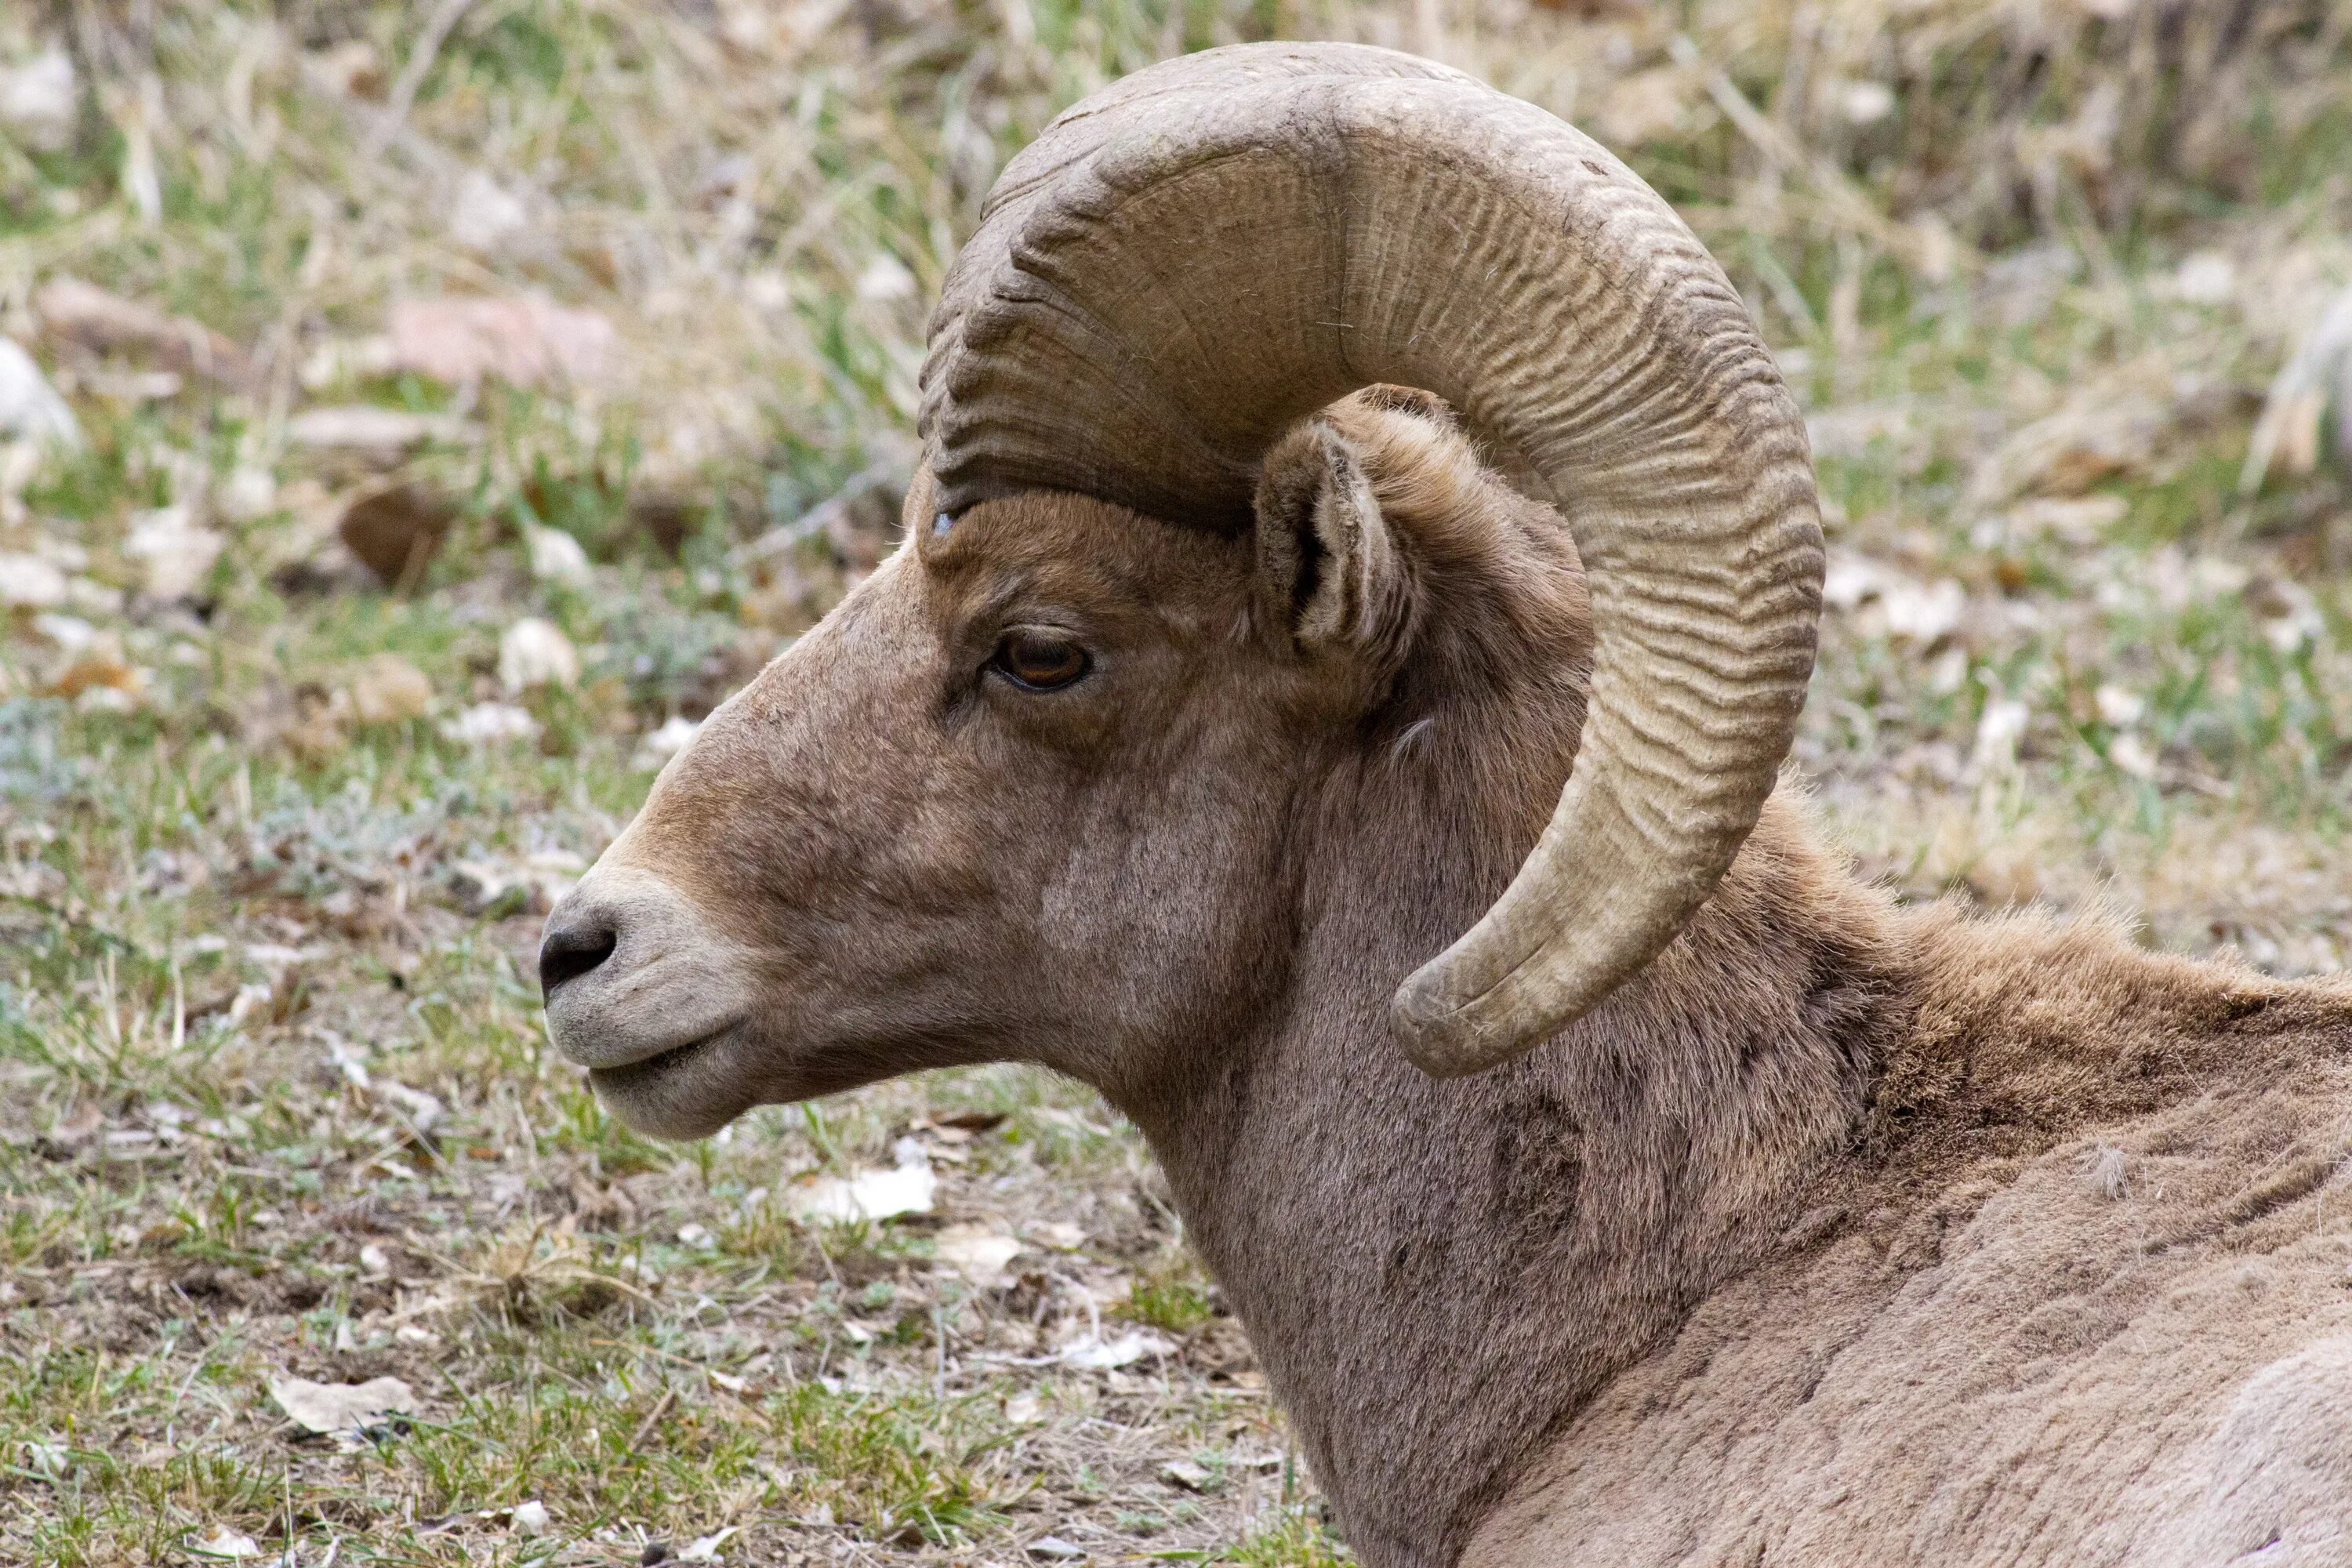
(1330, 561)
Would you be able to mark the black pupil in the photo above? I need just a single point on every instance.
(1035, 660)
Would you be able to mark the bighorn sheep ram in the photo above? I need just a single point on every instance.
(1716, 1210)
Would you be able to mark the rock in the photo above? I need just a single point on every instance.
(40, 102)
(29, 406)
(556, 557)
(396, 531)
(175, 554)
(885, 278)
(488, 723)
(388, 690)
(535, 652)
(30, 582)
(247, 494)
(525, 342)
(2205, 277)
(1053, 1549)
(529, 1517)
(1864, 102)
(485, 214)
(105, 323)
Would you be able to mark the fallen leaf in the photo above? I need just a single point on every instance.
(1923, 613)
(667, 517)
(174, 552)
(396, 533)
(529, 1517)
(104, 322)
(1053, 1549)
(2205, 277)
(1999, 730)
(2118, 707)
(343, 1409)
(2294, 425)
(484, 215)
(381, 435)
(247, 493)
(1060, 1235)
(976, 1253)
(1183, 1473)
(40, 102)
(29, 405)
(98, 673)
(533, 653)
(2096, 437)
(487, 723)
(528, 342)
(2078, 521)
(30, 582)
(1850, 580)
(338, 362)
(2131, 754)
(1092, 1353)
(705, 1548)
(348, 69)
(225, 1545)
(869, 1194)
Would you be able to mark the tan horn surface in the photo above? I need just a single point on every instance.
(1185, 263)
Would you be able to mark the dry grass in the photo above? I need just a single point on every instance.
(272, 1092)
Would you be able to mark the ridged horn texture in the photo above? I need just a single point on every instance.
(1189, 261)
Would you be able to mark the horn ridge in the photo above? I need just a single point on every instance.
(1182, 266)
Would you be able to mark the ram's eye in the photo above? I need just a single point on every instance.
(1039, 660)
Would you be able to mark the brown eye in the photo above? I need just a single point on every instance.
(1038, 660)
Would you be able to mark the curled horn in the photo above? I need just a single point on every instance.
(1189, 261)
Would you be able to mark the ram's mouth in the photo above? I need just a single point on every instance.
(631, 1076)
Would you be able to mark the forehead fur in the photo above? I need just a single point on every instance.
(1089, 556)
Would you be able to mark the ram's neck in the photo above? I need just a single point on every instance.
(1436, 1275)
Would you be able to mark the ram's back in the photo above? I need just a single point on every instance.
(2082, 1296)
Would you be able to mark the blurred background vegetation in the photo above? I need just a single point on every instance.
(415, 417)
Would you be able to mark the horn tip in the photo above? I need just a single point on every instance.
(1443, 1036)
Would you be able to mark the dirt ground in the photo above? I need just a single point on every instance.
(428, 412)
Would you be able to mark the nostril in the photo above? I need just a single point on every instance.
(571, 950)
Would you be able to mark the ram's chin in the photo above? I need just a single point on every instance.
(690, 1092)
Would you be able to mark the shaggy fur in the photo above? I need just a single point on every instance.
(1810, 1245)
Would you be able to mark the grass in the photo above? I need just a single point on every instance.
(274, 1098)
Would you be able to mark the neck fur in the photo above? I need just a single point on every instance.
(1436, 1275)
